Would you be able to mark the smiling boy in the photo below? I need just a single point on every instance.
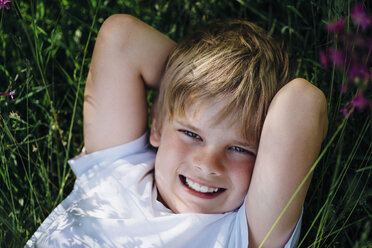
(204, 167)
(234, 141)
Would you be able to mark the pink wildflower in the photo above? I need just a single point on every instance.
(343, 89)
(336, 57)
(336, 26)
(360, 102)
(357, 70)
(360, 17)
(3, 4)
(11, 92)
(346, 111)
(323, 59)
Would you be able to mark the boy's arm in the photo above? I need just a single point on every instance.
(294, 129)
(128, 55)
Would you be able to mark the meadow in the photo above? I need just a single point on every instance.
(45, 51)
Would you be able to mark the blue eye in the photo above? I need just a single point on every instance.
(238, 149)
(191, 134)
(242, 150)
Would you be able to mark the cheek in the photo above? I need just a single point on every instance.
(241, 175)
(172, 151)
(178, 147)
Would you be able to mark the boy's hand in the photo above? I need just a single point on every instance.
(294, 129)
(128, 55)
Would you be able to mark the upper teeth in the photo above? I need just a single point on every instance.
(197, 187)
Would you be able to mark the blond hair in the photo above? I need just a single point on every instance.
(235, 62)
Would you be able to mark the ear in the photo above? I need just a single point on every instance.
(154, 134)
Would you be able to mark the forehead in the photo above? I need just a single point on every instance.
(214, 114)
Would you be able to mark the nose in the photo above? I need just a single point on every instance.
(208, 161)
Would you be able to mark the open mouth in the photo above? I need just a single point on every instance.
(200, 188)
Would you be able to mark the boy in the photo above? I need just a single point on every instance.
(226, 164)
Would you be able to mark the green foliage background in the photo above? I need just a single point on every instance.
(45, 51)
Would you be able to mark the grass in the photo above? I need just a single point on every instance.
(45, 51)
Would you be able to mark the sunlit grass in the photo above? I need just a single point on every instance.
(45, 51)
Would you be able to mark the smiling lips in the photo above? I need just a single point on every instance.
(200, 190)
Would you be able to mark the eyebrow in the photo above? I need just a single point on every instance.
(188, 125)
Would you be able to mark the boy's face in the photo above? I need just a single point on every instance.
(201, 166)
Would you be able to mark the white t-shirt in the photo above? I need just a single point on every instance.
(114, 204)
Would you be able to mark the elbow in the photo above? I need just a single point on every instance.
(299, 98)
(117, 30)
(303, 93)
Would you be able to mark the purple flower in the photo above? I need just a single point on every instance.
(336, 56)
(357, 70)
(323, 59)
(343, 89)
(11, 92)
(3, 4)
(360, 102)
(360, 17)
(352, 55)
(336, 26)
(346, 111)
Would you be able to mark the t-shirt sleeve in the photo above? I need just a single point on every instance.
(83, 162)
(242, 231)
(92, 193)
(293, 240)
